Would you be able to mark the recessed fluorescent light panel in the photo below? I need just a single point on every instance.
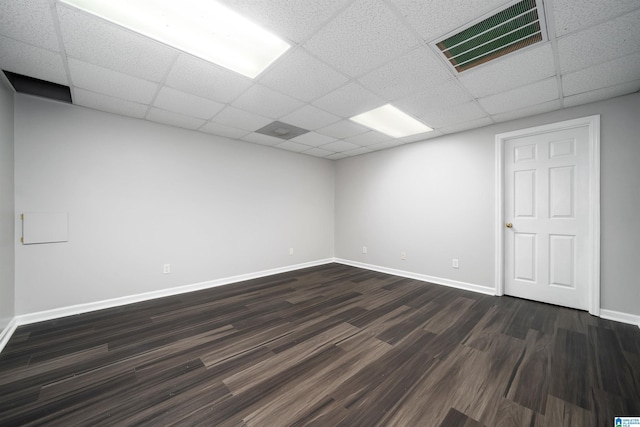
(391, 121)
(203, 28)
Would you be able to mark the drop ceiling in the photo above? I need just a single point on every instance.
(347, 57)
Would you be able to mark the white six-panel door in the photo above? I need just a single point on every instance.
(546, 217)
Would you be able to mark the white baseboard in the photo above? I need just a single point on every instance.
(72, 310)
(605, 314)
(422, 277)
(41, 316)
(7, 332)
(620, 317)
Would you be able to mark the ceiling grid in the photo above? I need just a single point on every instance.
(346, 57)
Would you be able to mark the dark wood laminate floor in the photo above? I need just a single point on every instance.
(329, 345)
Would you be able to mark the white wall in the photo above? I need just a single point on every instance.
(435, 200)
(7, 265)
(431, 200)
(141, 194)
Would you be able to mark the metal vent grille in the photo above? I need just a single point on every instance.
(511, 29)
(281, 130)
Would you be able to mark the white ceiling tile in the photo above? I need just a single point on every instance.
(313, 139)
(385, 145)
(318, 152)
(240, 119)
(522, 97)
(449, 116)
(347, 57)
(600, 94)
(346, 41)
(261, 100)
(343, 129)
(111, 83)
(572, 15)
(418, 70)
(435, 18)
(222, 130)
(258, 138)
(610, 73)
(174, 119)
(101, 102)
(357, 151)
(369, 138)
(613, 39)
(339, 146)
(97, 41)
(444, 95)
(510, 71)
(202, 78)
(29, 21)
(338, 156)
(471, 124)
(419, 137)
(302, 77)
(32, 61)
(310, 118)
(295, 20)
(186, 104)
(545, 107)
(349, 100)
(292, 146)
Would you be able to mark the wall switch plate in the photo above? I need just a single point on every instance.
(403, 255)
(364, 249)
(290, 251)
(454, 263)
(166, 269)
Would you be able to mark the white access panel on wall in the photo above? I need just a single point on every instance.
(45, 227)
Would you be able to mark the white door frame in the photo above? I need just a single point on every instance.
(593, 123)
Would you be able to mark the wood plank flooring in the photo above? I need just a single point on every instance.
(326, 346)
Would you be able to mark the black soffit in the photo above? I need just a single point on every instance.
(37, 87)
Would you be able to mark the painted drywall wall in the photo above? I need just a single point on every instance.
(140, 195)
(435, 200)
(7, 241)
(429, 200)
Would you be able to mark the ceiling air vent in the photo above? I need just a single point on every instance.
(281, 130)
(513, 28)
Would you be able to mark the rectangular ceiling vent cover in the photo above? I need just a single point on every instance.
(512, 28)
(281, 130)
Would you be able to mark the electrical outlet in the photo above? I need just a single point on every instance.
(290, 251)
(364, 249)
(454, 263)
(403, 255)
(167, 269)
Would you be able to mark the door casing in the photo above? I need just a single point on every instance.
(593, 124)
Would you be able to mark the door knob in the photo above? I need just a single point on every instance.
(509, 225)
